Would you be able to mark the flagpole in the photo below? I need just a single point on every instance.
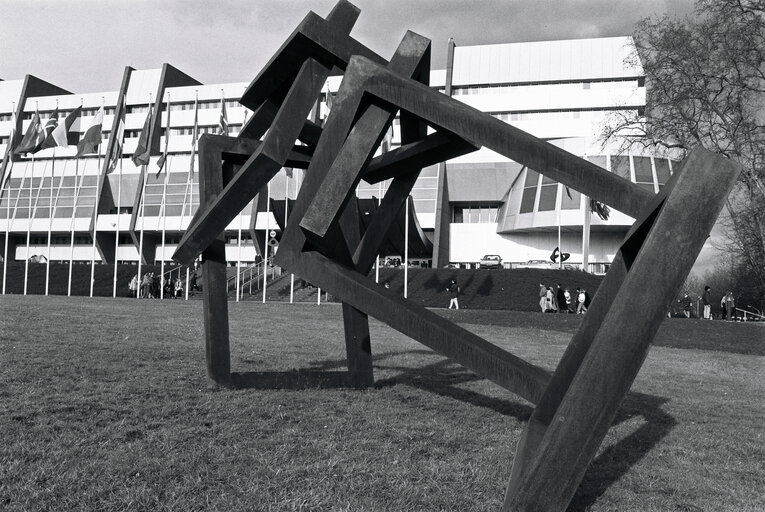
(142, 209)
(265, 258)
(163, 208)
(51, 207)
(16, 207)
(8, 154)
(77, 189)
(238, 257)
(7, 216)
(32, 213)
(95, 208)
(560, 249)
(190, 178)
(406, 248)
(286, 212)
(117, 231)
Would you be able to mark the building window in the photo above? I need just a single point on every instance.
(547, 195)
(474, 213)
(529, 191)
(620, 165)
(643, 172)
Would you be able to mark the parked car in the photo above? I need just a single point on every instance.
(537, 264)
(490, 261)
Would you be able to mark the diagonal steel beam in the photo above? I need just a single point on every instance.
(653, 264)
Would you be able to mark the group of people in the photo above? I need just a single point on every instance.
(148, 286)
(727, 305)
(561, 300)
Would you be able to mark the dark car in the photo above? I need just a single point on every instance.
(490, 261)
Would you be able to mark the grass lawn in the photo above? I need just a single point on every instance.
(105, 405)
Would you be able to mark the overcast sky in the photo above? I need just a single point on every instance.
(84, 45)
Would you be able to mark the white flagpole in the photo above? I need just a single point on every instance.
(187, 283)
(16, 206)
(318, 298)
(406, 248)
(117, 232)
(32, 211)
(560, 249)
(239, 257)
(50, 220)
(95, 209)
(77, 187)
(265, 254)
(8, 220)
(377, 258)
(142, 210)
(7, 215)
(163, 207)
(286, 212)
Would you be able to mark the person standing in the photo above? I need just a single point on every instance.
(707, 303)
(542, 297)
(567, 296)
(686, 301)
(730, 305)
(561, 295)
(581, 297)
(454, 294)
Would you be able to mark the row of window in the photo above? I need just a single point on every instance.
(629, 83)
(557, 115)
(648, 173)
(474, 213)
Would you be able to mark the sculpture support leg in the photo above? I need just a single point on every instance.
(658, 257)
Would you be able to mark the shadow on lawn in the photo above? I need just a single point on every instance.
(444, 377)
(608, 467)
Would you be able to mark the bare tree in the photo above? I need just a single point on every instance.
(705, 86)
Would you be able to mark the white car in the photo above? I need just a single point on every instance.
(490, 261)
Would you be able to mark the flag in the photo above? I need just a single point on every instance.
(162, 159)
(8, 152)
(59, 135)
(223, 123)
(601, 209)
(143, 148)
(33, 138)
(118, 136)
(92, 138)
(194, 135)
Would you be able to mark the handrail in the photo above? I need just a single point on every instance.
(745, 312)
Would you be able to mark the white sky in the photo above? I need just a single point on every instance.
(84, 45)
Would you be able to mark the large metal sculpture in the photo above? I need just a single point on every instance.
(322, 243)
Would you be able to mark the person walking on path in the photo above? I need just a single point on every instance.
(561, 295)
(730, 305)
(707, 304)
(686, 301)
(542, 297)
(581, 297)
(454, 294)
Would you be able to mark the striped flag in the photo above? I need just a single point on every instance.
(92, 138)
(33, 138)
(142, 153)
(194, 136)
(162, 159)
(223, 123)
(61, 133)
(119, 135)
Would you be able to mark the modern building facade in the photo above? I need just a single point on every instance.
(94, 208)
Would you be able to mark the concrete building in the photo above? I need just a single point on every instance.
(85, 209)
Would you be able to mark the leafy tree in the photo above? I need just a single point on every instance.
(705, 86)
